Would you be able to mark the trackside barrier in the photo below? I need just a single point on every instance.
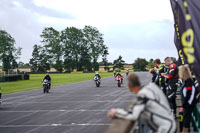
(120, 126)
(196, 119)
(137, 70)
(88, 71)
(8, 78)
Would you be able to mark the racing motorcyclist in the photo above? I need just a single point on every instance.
(48, 78)
(97, 75)
(127, 72)
(119, 75)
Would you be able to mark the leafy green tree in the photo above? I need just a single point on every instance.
(39, 61)
(8, 52)
(72, 41)
(150, 64)
(85, 60)
(96, 43)
(45, 61)
(51, 40)
(140, 63)
(23, 65)
(35, 61)
(118, 63)
(105, 60)
(74, 48)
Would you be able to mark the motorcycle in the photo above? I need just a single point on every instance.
(46, 86)
(97, 81)
(119, 81)
(127, 73)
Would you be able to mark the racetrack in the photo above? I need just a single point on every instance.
(73, 108)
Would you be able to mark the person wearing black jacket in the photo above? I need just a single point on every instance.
(47, 77)
(154, 74)
(160, 80)
(188, 95)
(171, 82)
(97, 75)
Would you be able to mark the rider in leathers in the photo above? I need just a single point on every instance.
(118, 74)
(160, 80)
(172, 80)
(48, 78)
(97, 75)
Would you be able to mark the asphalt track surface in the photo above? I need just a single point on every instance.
(73, 108)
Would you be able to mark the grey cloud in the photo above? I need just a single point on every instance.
(23, 24)
(29, 5)
(147, 40)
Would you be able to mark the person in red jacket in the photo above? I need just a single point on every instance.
(171, 82)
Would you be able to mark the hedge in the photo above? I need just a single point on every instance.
(8, 78)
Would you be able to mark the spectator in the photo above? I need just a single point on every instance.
(188, 95)
(160, 68)
(171, 82)
(153, 72)
(151, 106)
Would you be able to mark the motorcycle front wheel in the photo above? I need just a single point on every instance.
(97, 84)
(119, 84)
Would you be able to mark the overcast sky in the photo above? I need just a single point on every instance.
(131, 28)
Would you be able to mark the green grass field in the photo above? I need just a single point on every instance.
(35, 81)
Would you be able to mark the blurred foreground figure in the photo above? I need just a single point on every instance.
(151, 106)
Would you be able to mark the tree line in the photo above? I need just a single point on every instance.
(69, 49)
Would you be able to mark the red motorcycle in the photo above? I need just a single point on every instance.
(127, 73)
(119, 80)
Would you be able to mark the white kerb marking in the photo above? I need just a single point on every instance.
(56, 124)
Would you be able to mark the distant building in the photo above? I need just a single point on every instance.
(101, 69)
